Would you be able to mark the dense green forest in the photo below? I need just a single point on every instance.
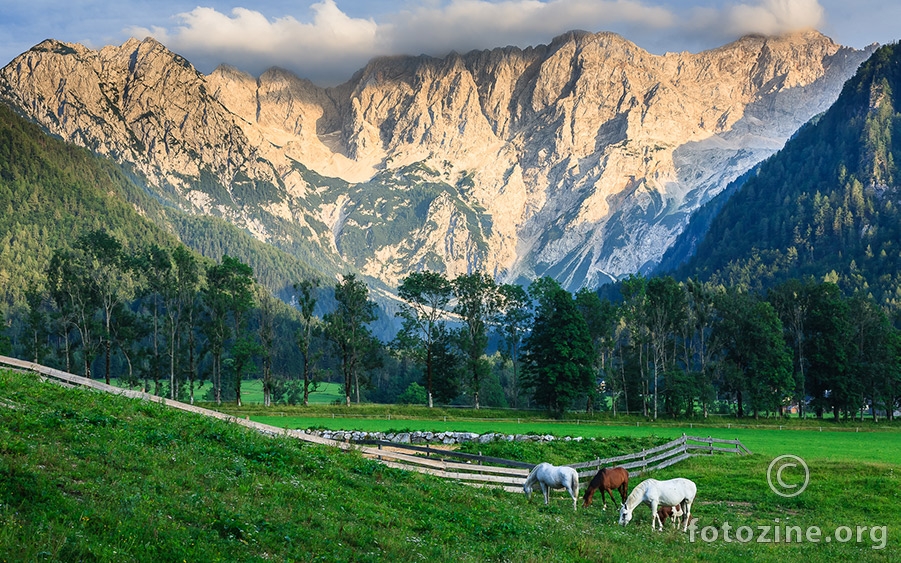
(49, 193)
(826, 205)
(161, 320)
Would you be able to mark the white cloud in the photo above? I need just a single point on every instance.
(251, 41)
(772, 17)
(477, 24)
(332, 45)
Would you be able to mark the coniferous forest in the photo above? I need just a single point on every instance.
(790, 303)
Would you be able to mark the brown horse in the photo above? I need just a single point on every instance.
(608, 480)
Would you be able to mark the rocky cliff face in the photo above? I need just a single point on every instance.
(582, 159)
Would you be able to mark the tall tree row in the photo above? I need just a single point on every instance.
(164, 319)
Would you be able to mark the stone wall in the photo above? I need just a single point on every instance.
(420, 437)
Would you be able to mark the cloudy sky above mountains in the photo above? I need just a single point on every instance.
(327, 40)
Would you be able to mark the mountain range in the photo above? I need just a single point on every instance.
(582, 159)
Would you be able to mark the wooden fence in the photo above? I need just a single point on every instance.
(509, 474)
(475, 470)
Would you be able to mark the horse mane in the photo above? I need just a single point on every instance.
(531, 476)
(637, 492)
(596, 481)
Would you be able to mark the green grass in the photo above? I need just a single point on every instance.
(828, 445)
(86, 476)
(326, 393)
(252, 392)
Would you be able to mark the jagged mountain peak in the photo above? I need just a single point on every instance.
(581, 159)
(580, 36)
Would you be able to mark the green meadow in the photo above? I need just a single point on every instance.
(869, 443)
(86, 476)
(326, 393)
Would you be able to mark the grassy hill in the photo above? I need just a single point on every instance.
(86, 476)
(91, 477)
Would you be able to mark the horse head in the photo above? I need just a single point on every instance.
(527, 489)
(625, 515)
(586, 498)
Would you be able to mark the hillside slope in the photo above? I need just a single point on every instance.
(86, 476)
(51, 192)
(827, 205)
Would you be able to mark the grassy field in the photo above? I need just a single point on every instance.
(325, 394)
(827, 441)
(252, 392)
(828, 445)
(86, 476)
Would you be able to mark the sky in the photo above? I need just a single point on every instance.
(326, 41)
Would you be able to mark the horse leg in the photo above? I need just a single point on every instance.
(655, 518)
(612, 500)
(575, 493)
(545, 489)
(623, 492)
(686, 514)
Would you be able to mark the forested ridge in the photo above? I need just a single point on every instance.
(50, 192)
(826, 205)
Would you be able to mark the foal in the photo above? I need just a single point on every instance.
(675, 512)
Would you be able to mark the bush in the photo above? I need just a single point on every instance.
(414, 394)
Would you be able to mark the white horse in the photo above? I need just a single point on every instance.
(553, 477)
(656, 493)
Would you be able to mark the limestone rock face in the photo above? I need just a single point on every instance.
(582, 159)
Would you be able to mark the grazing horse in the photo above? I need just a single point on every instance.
(553, 477)
(665, 512)
(608, 479)
(655, 493)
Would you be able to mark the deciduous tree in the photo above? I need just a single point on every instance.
(426, 296)
(346, 327)
(305, 291)
(476, 304)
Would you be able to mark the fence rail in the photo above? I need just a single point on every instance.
(509, 474)
(475, 470)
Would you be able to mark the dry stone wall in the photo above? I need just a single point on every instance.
(446, 438)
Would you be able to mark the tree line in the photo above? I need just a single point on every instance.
(664, 347)
(165, 320)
